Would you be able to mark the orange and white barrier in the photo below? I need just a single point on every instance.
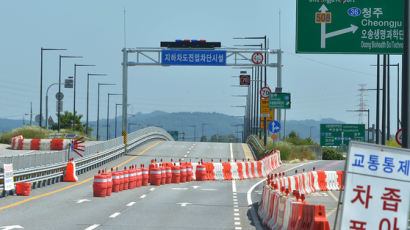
(70, 173)
(281, 211)
(19, 143)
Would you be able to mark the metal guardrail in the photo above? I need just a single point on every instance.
(256, 147)
(42, 171)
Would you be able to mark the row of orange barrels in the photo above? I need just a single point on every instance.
(157, 174)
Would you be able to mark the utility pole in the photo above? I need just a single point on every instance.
(405, 79)
(31, 113)
(384, 101)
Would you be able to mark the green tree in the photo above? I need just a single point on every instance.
(293, 134)
(204, 139)
(66, 122)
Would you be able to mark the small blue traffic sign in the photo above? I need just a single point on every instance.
(274, 126)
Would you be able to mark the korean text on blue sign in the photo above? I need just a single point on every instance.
(380, 162)
(194, 57)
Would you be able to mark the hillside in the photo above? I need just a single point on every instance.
(214, 123)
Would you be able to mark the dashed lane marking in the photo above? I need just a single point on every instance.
(143, 196)
(94, 226)
(131, 204)
(152, 189)
(76, 184)
(115, 215)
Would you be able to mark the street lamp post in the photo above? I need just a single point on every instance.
(194, 126)
(88, 97)
(310, 131)
(48, 88)
(108, 113)
(59, 82)
(74, 86)
(368, 120)
(202, 126)
(116, 105)
(98, 108)
(41, 81)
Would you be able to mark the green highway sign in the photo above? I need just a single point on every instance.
(174, 134)
(279, 101)
(350, 26)
(341, 134)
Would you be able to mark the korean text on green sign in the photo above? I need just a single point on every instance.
(341, 134)
(350, 26)
(279, 101)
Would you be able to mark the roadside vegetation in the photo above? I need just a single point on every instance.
(35, 132)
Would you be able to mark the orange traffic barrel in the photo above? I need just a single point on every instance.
(189, 173)
(138, 178)
(100, 186)
(155, 176)
(150, 167)
(121, 180)
(23, 189)
(108, 176)
(132, 179)
(145, 177)
(200, 172)
(126, 180)
(168, 174)
(183, 174)
(163, 174)
(176, 174)
(115, 182)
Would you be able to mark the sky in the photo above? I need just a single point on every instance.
(322, 86)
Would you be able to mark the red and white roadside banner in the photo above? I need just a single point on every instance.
(376, 194)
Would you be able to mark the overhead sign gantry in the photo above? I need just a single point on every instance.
(192, 53)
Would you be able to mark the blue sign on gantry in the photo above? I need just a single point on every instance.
(193, 57)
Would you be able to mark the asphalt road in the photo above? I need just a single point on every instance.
(194, 205)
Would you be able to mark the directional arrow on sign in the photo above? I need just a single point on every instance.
(11, 227)
(325, 35)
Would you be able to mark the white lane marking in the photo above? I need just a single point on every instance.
(185, 155)
(184, 204)
(152, 189)
(236, 214)
(131, 204)
(238, 228)
(236, 206)
(237, 218)
(233, 186)
(196, 186)
(82, 200)
(180, 188)
(187, 152)
(182, 159)
(236, 200)
(237, 223)
(143, 196)
(248, 195)
(236, 203)
(94, 226)
(235, 197)
(11, 227)
(208, 189)
(230, 148)
(115, 215)
(236, 210)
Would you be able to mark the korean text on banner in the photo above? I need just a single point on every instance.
(8, 177)
(193, 57)
(376, 192)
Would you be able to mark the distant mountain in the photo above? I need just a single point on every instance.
(184, 122)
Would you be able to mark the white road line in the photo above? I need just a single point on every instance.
(236, 206)
(94, 226)
(131, 204)
(238, 228)
(115, 215)
(236, 210)
(208, 189)
(237, 223)
(143, 196)
(236, 200)
(236, 214)
(237, 218)
(152, 189)
(235, 197)
(233, 186)
(185, 155)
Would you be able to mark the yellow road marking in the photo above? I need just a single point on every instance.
(77, 184)
(247, 151)
(333, 196)
(331, 212)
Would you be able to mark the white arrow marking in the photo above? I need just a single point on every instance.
(183, 204)
(352, 29)
(195, 186)
(323, 9)
(82, 200)
(11, 227)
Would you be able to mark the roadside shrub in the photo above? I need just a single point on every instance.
(28, 132)
(331, 154)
